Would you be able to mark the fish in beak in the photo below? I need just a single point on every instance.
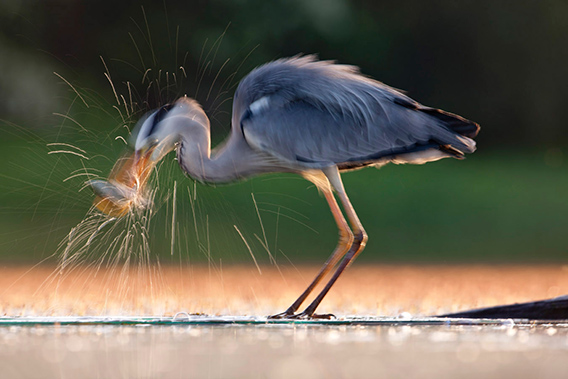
(125, 187)
(153, 138)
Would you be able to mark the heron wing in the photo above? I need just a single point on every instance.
(321, 113)
(360, 129)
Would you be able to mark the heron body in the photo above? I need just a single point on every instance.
(316, 119)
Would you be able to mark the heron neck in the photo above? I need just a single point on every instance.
(228, 162)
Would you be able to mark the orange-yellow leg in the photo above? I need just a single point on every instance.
(343, 245)
(359, 242)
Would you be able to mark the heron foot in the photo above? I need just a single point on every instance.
(301, 316)
(280, 316)
(313, 316)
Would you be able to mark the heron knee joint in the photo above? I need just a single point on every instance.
(346, 236)
(361, 237)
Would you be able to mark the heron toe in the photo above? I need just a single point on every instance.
(301, 316)
(313, 316)
(280, 316)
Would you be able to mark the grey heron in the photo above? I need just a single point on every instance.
(309, 117)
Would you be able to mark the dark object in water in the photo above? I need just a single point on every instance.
(550, 309)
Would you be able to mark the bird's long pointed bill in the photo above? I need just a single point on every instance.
(125, 186)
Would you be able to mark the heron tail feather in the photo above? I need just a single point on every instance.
(454, 122)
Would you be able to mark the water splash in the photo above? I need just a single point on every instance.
(119, 246)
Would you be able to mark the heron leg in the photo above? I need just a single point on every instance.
(360, 240)
(343, 245)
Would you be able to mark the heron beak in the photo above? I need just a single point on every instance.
(124, 188)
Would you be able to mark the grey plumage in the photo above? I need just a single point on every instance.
(314, 118)
(319, 114)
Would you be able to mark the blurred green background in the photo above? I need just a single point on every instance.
(501, 64)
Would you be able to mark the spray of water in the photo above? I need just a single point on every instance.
(114, 240)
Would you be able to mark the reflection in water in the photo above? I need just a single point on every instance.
(285, 351)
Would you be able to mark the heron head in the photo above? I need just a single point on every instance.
(159, 133)
(154, 137)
